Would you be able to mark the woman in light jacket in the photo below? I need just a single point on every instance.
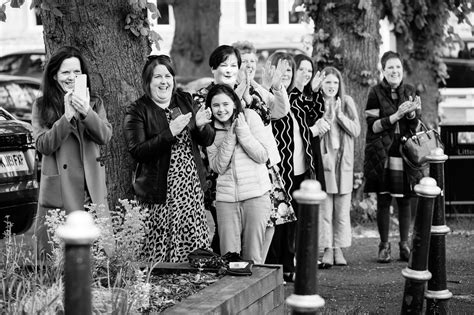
(68, 132)
(337, 149)
(239, 156)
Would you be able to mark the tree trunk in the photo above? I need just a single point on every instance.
(348, 38)
(115, 57)
(421, 53)
(196, 36)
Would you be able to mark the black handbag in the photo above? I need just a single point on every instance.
(415, 148)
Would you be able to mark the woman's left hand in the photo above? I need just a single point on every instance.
(80, 105)
(203, 117)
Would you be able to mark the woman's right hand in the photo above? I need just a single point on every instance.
(69, 111)
(317, 80)
(179, 123)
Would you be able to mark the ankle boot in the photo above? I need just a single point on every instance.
(385, 253)
(404, 251)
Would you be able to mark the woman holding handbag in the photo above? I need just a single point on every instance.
(392, 111)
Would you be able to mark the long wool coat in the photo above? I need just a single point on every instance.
(339, 165)
(71, 159)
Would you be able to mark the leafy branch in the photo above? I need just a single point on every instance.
(136, 21)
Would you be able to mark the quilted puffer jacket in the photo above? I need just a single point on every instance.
(239, 158)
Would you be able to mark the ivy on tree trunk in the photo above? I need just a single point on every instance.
(347, 37)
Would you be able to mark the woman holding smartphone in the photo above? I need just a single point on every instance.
(69, 129)
(163, 130)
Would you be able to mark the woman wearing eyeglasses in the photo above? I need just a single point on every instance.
(163, 131)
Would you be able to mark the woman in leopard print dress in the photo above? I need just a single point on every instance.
(163, 131)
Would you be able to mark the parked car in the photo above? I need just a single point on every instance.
(17, 95)
(18, 174)
(24, 63)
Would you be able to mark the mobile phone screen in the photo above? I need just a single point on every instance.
(175, 112)
(80, 86)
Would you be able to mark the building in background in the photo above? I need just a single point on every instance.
(262, 21)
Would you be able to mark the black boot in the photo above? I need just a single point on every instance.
(385, 253)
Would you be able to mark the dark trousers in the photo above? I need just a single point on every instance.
(283, 246)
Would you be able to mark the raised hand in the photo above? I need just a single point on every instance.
(278, 74)
(317, 80)
(267, 75)
(179, 123)
(203, 116)
(69, 111)
(246, 96)
(82, 106)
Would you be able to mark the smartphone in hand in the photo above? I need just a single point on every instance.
(175, 112)
(80, 86)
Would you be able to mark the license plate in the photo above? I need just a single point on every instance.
(12, 162)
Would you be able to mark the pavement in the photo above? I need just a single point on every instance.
(368, 287)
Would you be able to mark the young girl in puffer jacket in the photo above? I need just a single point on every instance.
(239, 155)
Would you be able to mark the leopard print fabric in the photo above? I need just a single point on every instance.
(179, 226)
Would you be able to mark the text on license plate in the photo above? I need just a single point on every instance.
(12, 161)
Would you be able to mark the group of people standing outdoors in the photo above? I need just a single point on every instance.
(237, 148)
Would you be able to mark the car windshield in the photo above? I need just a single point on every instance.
(14, 96)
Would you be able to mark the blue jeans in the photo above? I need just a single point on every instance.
(242, 226)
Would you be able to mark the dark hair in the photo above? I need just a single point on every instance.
(147, 72)
(221, 53)
(245, 47)
(51, 108)
(390, 55)
(331, 70)
(279, 55)
(227, 90)
(298, 60)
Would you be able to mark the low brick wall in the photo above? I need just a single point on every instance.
(261, 293)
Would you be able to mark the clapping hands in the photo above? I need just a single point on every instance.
(409, 107)
(203, 117)
(179, 123)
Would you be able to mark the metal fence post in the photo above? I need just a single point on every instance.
(437, 294)
(416, 274)
(78, 234)
(305, 298)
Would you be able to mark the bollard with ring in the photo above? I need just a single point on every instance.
(417, 274)
(78, 234)
(305, 298)
(437, 294)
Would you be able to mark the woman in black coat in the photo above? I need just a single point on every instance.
(391, 112)
(163, 130)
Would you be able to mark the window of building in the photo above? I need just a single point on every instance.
(295, 13)
(38, 17)
(272, 12)
(250, 7)
(164, 12)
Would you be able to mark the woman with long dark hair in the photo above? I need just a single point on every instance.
(69, 130)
